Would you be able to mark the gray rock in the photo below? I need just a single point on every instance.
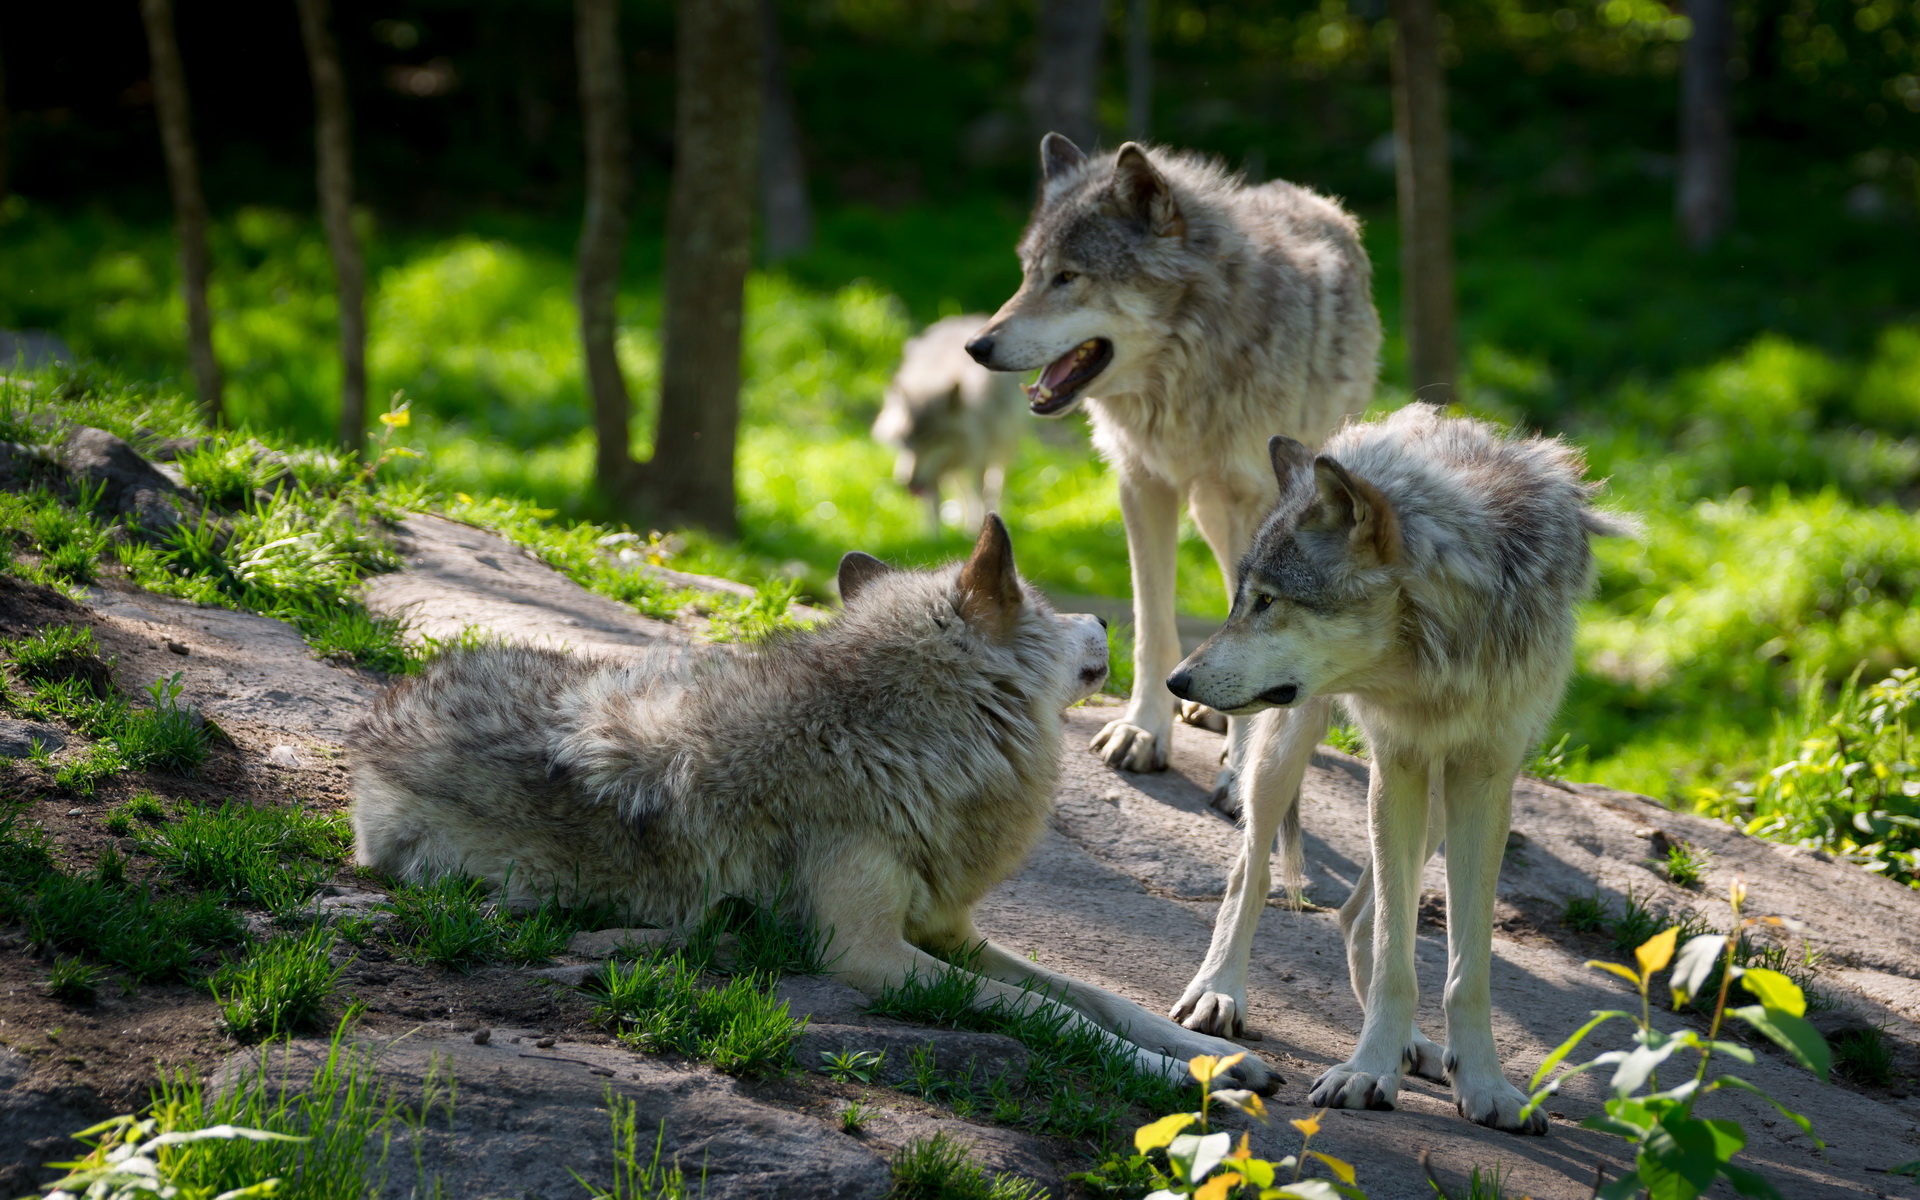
(18, 738)
(32, 348)
(572, 974)
(956, 1053)
(129, 484)
(604, 943)
(825, 1000)
(525, 1117)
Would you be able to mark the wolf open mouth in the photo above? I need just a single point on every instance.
(1059, 385)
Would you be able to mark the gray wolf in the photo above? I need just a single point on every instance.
(952, 420)
(1196, 316)
(879, 773)
(1424, 569)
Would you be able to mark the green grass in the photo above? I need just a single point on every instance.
(1584, 914)
(941, 1168)
(660, 1003)
(636, 1177)
(75, 981)
(279, 988)
(154, 938)
(452, 922)
(270, 857)
(1686, 864)
(1863, 1056)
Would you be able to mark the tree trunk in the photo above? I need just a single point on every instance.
(1704, 197)
(1425, 185)
(334, 178)
(709, 245)
(1062, 94)
(603, 240)
(189, 203)
(1139, 69)
(787, 215)
(6, 126)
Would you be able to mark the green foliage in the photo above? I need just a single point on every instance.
(59, 653)
(69, 541)
(659, 1003)
(74, 981)
(1550, 762)
(225, 471)
(757, 617)
(281, 987)
(1863, 1056)
(1347, 739)
(1686, 864)
(127, 1160)
(940, 1168)
(1677, 1154)
(632, 1178)
(852, 1066)
(153, 938)
(453, 922)
(854, 1117)
(1584, 914)
(269, 856)
(759, 936)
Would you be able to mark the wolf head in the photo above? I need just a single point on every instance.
(983, 614)
(1316, 607)
(1099, 264)
(928, 430)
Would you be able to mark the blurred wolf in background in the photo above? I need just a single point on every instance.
(1198, 316)
(952, 420)
(878, 773)
(1425, 569)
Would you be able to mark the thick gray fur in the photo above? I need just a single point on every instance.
(1424, 570)
(880, 773)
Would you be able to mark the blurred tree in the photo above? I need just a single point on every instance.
(603, 240)
(709, 248)
(189, 203)
(1425, 185)
(786, 211)
(5, 125)
(1062, 94)
(1139, 69)
(1704, 195)
(334, 175)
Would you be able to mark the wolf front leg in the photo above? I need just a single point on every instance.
(1282, 743)
(1140, 739)
(1227, 517)
(1479, 807)
(1397, 818)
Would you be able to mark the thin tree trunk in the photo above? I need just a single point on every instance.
(787, 213)
(1062, 94)
(603, 240)
(1139, 69)
(6, 126)
(1425, 186)
(1704, 196)
(189, 203)
(334, 179)
(709, 245)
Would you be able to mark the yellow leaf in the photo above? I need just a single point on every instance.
(1242, 1151)
(1206, 1067)
(1656, 952)
(1617, 969)
(1216, 1188)
(1342, 1169)
(1308, 1126)
(1159, 1133)
(399, 418)
(463, 498)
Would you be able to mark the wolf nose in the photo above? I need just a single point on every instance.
(1102, 620)
(1179, 682)
(1284, 694)
(981, 348)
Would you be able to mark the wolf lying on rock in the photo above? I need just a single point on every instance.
(889, 767)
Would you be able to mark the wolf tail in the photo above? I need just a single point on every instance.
(1289, 844)
(1604, 523)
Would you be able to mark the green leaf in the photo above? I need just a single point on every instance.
(1728, 1138)
(1567, 1047)
(1906, 1168)
(1619, 1129)
(1791, 1034)
(1805, 1125)
(1624, 1188)
(1638, 1066)
(1733, 1050)
(1677, 1159)
(1196, 1155)
(1775, 991)
(1693, 964)
(1747, 1183)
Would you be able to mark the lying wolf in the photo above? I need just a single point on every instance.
(885, 769)
(953, 421)
(1425, 570)
(1198, 316)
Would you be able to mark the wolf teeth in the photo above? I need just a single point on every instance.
(1043, 391)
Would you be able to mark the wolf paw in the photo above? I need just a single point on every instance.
(1226, 794)
(1346, 1086)
(1131, 748)
(1424, 1057)
(1220, 1013)
(1195, 713)
(1495, 1103)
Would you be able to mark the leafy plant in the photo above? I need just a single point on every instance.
(757, 617)
(855, 1116)
(1863, 1056)
(153, 938)
(1347, 739)
(270, 856)
(852, 1066)
(1550, 762)
(1686, 864)
(1678, 1155)
(129, 1159)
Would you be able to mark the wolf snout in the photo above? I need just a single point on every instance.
(1180, 683)
(981, 348)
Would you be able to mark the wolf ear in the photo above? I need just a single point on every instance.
(1290, 460)
(857, 570)
(1142, 192)
(1059, 157)
(989, 590)
(1349, 504)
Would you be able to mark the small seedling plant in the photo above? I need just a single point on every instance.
(1204, 1163)
(1677, 1155)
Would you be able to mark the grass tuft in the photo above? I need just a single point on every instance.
(632, 1178)
(1687, 864)
(1584, 914)
(73, 981)
(941, 1168)
(1863, 1056)
(272, 857)
(659, 1003)
(282, 987)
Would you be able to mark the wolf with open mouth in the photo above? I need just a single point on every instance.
(1196, 316)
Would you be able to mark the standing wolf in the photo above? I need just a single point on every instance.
(1198, 316)
(1425, 570)
(952, 420)
(889, 768)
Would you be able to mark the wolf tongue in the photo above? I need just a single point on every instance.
(1060, 368)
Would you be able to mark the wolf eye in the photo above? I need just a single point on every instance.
(1065, 277)
(1262, 602)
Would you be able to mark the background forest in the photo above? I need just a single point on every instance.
(1757, 400)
